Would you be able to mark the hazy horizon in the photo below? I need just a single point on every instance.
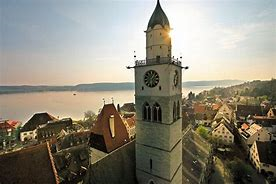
(77, 42)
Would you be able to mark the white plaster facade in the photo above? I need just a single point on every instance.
(28, 135)
(223, 134)
(255, 133)
(254, 157)
(225, 111)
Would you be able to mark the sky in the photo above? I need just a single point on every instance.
(68, 42)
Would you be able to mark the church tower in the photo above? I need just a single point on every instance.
(158, 107)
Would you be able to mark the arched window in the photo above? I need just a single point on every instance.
(178, 110)
(174, 111)
(157, 113)
(146, 112)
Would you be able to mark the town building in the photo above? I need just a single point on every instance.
(9, 132)
(243, 111)
(223, 132)
(254, 133)
(67, 140)
(158, 93)
(225, 111)
(263, 157)
(109, 131)
(29, 129)
(271, 113)
(49, 130)
(130, 123)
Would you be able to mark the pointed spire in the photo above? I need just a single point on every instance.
(158, 17)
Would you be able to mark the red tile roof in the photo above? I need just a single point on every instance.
(101, 137)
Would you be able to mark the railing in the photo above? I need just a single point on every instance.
(158, 61)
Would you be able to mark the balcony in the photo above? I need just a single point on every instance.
(158, 60)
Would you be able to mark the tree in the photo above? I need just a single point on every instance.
(202, 131)
(239, 169)
(191, 96)
(89, 115)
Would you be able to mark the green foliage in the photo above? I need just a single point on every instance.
(199, 97)
(202, 131)
(191, 96)
(239, 169)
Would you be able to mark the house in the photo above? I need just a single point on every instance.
(109, 132)
(130, 123)
(72, 164)
(128, 107)
(223, 132)
(271, 113)
(225, 111)
(29, 129)
(243, 111)
(7, 134)
(67, 140)
(199, 108)
(30, 165)
(263, 157)
(254, 133)
(52, 128)
(216, 106)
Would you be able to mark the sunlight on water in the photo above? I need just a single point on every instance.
(63, 104)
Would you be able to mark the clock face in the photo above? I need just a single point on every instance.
(151, 78)
(175, 78)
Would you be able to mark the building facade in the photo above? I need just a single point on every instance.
(223, 133)
(263, 156)
(158, 84)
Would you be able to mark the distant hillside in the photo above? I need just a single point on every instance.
(104, 86)
(255, 88)
(215, 83)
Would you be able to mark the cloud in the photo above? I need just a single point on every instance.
(230, 37)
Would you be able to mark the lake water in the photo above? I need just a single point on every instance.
(64, 104)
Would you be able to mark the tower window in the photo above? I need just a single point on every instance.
(160, 47)
(178, 110)
(146, 112)
(157, 113)
(160, 34)
(142, 87)
(160, 88)
(174, 111)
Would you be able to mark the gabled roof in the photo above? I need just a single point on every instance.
(14, 123)
(254, 128)
(36, 120)
(128, 107)
(245, 110)
(5, 125)
(30, 165)
(131, 121)
(158, 17)
(66, 140)
(101, 137)
(267, 152)
(226, 124)
(265, 121)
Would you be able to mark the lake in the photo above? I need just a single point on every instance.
(64, 104)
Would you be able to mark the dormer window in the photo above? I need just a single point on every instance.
(112, 126)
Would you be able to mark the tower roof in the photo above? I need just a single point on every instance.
(158, 17)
